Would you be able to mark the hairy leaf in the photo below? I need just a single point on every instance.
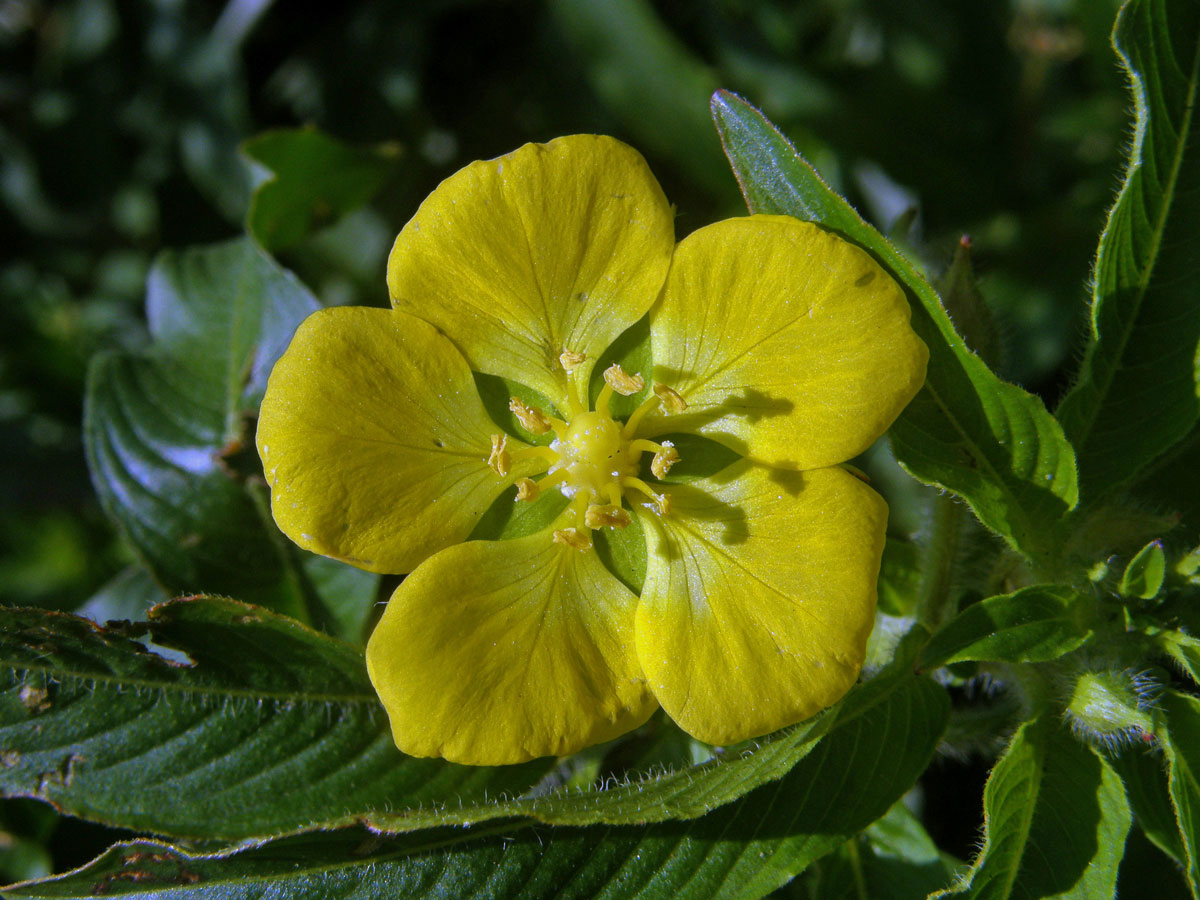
(1181, 741)
(273, 728)
(1139, 390)
(693, 791)
(1034, 624)
(988, 441)
(1055, 817)
(742, 851)
(1145, 777)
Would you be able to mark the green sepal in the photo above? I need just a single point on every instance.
(1143, 577)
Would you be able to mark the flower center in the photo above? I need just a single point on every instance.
(594, 454)
(593, 459)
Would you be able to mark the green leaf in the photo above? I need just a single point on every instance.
(1145, 780)
(899, 577)
(986, 440)
(1184, 649)
(743, 850)
(1139, 390)
(911, 705)
(649, 78)
(272, 728)
(1055, 819)
(129, 595)
(315, 180)
(893, 859)
(1181, 742)
(1034, 624)
(1143, 577)
(167, 431)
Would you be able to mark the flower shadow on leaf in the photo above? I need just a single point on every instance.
(700, 505)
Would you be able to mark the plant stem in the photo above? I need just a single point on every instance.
(860, 885)
(935, 602)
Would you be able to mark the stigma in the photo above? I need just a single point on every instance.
(594, 459)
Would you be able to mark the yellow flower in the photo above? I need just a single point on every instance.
(768, 335)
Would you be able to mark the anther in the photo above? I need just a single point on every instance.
(531, 418)
(598, 516)
(572, 538)
(662, 502)
(527, 489)
(670, 398)
(664, 459)
(500, 462)
(571, 360)
(622, 382)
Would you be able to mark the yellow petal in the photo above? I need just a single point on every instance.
(759, 597)
(495, 652)
(558, 246)
(789, 344)
(374, 440)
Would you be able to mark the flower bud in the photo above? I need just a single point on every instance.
(1112, 707)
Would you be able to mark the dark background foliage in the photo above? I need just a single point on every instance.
(121, 124)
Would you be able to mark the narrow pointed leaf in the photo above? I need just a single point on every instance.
(990, 442)
(1034, 624)
(1056, 818)
(1139, 391)
(743, 851)
(1181, 742)
(1144, 774)
(1184, 649)
(274, 728)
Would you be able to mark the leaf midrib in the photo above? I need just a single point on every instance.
(896, 263)
(181, 689)
(1146, 272)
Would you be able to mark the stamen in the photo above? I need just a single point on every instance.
(570, 360)
(579, 505)
(500, 461)
(609, 516)
(531, 418)
(527, 489)
(572, 538)
(577, 536)
(661, 501)
(551, 479)
(622, 382)
(664, 459)
(671, 398)
(635, 419)
(614, 493)
(602, 399)
(665, 455)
